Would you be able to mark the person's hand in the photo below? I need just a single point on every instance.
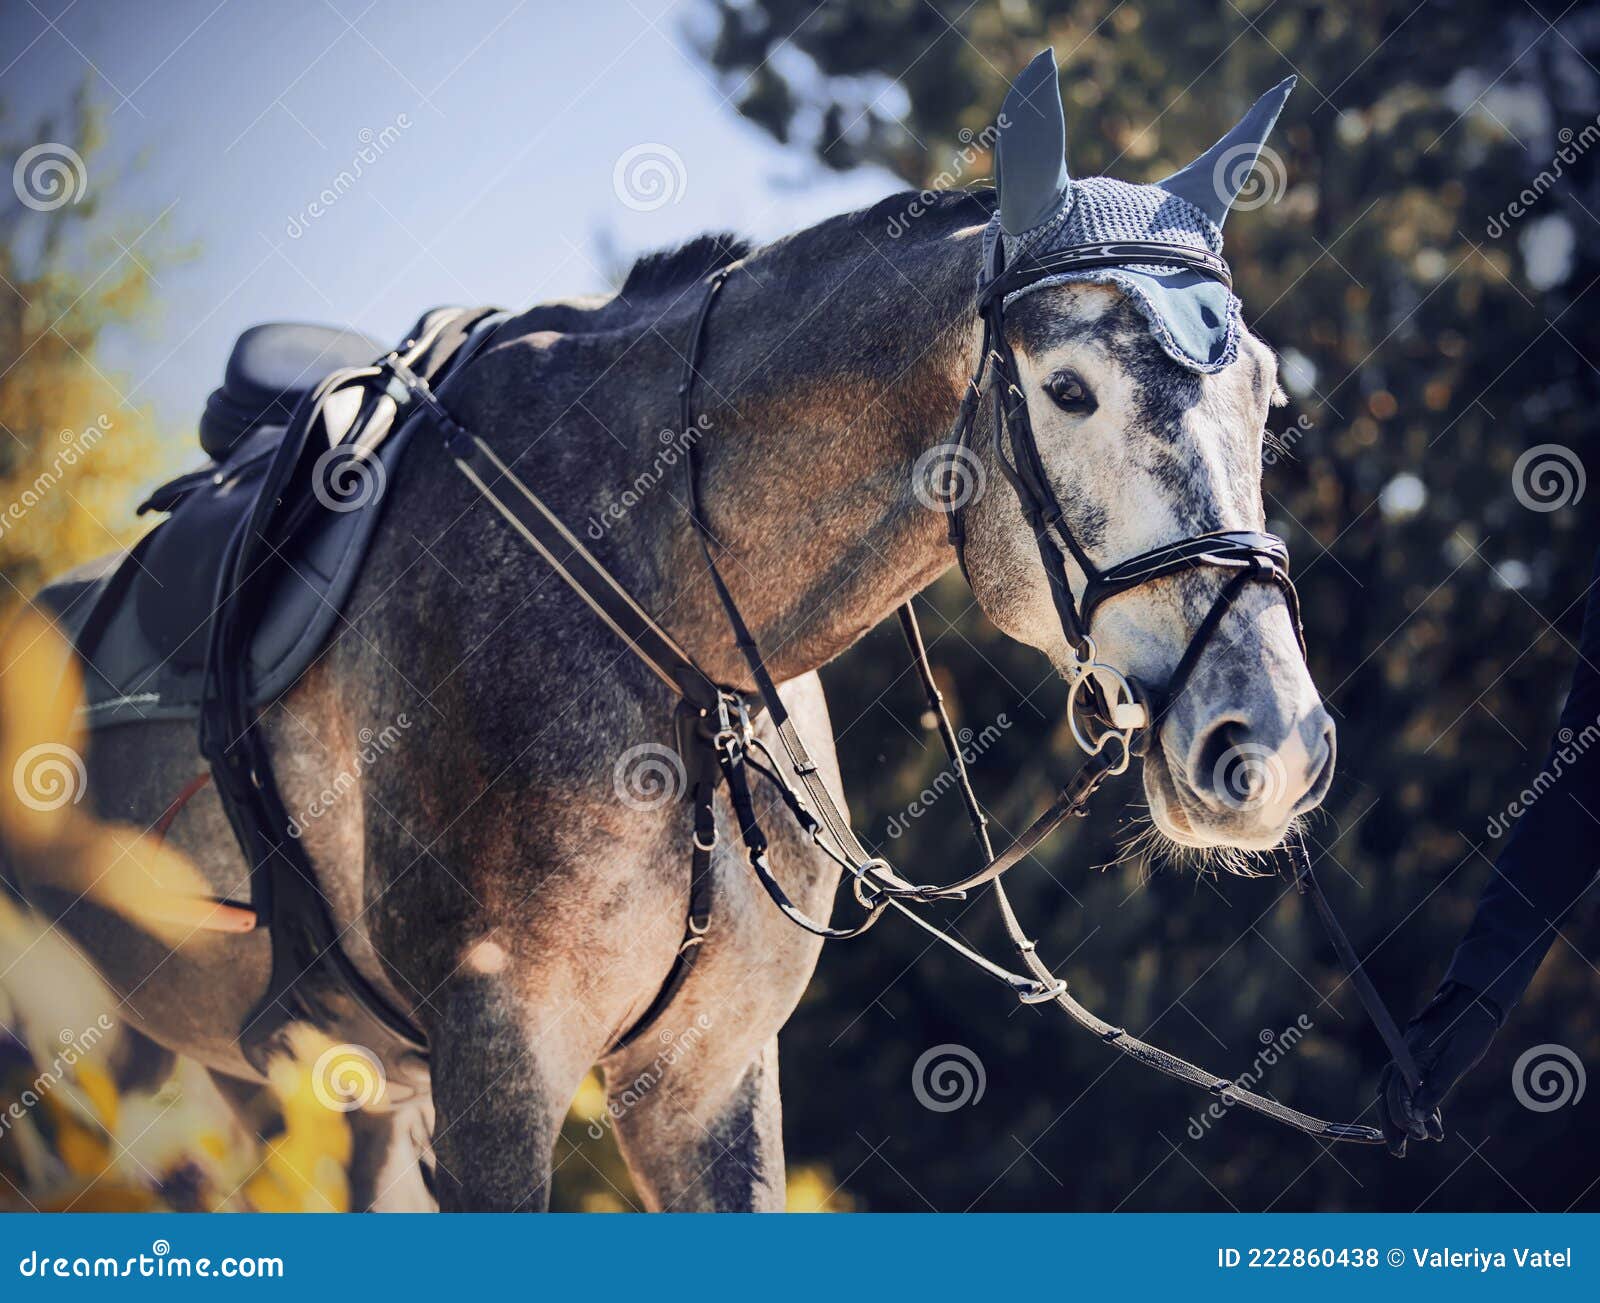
(1447, 1039)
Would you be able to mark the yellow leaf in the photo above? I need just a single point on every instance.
(96, 1083)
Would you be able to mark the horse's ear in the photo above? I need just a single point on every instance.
(1030, 167)
(1213, 181)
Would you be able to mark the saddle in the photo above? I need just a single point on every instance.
(218, 610)
(142, 621)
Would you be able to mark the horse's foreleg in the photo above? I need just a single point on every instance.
(503, 1076)
(698, 1139)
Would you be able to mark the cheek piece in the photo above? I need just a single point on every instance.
(1104, 705)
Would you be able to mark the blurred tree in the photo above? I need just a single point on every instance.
(74, 453)
(1423, 259)
(73, 447)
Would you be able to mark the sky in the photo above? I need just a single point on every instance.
(496, 152)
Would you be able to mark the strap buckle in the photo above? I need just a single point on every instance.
(406, 387)
(734, 730)
(1042, 992)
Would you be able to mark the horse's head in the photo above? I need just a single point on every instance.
(1147, 401)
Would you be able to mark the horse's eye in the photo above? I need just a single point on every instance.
(1069, 393)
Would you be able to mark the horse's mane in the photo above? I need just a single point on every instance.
(974, 207)
(665, 273)
(668, 269)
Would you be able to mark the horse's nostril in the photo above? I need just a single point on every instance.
(1217, 773)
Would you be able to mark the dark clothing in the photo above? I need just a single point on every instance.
(1553, 851)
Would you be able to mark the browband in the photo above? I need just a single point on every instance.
(1122, 253)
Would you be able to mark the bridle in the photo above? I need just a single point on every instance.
(718, 743)
(1135, 710)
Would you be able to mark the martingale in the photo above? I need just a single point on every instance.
(719, 745)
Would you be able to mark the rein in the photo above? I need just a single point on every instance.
(718, 744)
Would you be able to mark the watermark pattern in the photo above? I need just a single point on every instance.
(673, 1048)
(1249, 776)
(373, 146)
(1547, 1077)
(1569, 747)
(974, 146)
(1574, 145)
(1246, 178)
(972, 746)
(948, 477)
(49, 176)
(347, 477)
(948, 1077)
(649, 776)
(675, 447)
(48, 776)
(347, 1077)
(649, 176)
(75, 444)
(372, 746)
(74, 1046)
(1274, 1046)
(1547, 477)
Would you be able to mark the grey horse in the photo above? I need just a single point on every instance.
(493, 875)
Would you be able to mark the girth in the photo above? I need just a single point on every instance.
(312, 978)
(719, 744)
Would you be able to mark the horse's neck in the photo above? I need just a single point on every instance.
(817, 407)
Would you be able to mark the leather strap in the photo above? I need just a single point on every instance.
(1033, 268)
(1305, 882)
(312, 977)
(543, 530)
(1256, 557)
(702, 797)
(569, 558)
(1119, 1038)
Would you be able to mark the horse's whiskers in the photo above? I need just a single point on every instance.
(1149, 846)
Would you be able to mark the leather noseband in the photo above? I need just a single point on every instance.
(1139, 708)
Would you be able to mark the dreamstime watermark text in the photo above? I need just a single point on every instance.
(74, 1046)
(973, 147)
(1274, 1047)
(373, 146)
(159, 1264)
(1569, 747)
(673, 1048)
(972, 746)
(675, 448)
(1574, 145)
(1281, 444)
(373, 746)
(74, 446)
